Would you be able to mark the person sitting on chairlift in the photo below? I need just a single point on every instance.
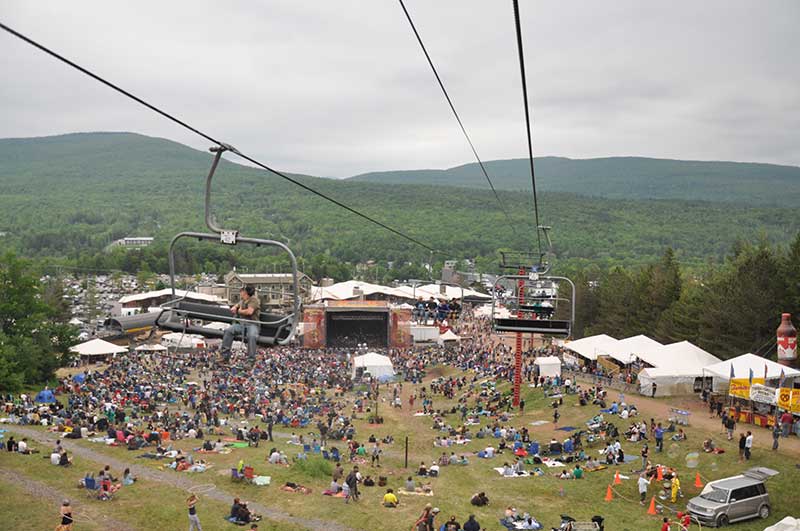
(248, 308)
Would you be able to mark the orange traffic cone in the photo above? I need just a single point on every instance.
(609, 495)
(697, 482)
(617, 480)
(652, 508)
(659, 474)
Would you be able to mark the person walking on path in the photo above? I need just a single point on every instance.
(643, 483)
(66, 517)
(748, 445)
(194, 521)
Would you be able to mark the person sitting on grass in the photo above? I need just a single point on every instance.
(508, 471)
(577, 472)
(128, 479)
(433, 471)
(423, 470)
(708, 446)
(389, 499)
(680, 436)
(410, 484)
(479, 500)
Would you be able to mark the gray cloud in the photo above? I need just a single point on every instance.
(339, 88)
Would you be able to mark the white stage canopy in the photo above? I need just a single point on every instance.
(97, 347)
(448, 336)
(742, 365)
(379, 366)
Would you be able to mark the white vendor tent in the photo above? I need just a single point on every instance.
(678, 367)
(379, 366)
(742, 365)
(448, 336)
(452, 292)
(593, 346)
(548, 365)
(97, 348)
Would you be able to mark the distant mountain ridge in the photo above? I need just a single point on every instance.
(621, 178)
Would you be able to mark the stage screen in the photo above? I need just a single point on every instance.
(347, 329)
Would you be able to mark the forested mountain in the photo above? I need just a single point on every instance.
(622, 178)
(67, 197)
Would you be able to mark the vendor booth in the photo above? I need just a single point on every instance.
(548, 366)
(378, 366)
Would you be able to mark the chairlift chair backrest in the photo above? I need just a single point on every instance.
(180, 314)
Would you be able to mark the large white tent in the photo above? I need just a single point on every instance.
(353, 289)
(593, 346)
(379, 366)
(677, 368)
(548, 365)
(97, 347)
(179, 340)
(452, 292)
(742, 365)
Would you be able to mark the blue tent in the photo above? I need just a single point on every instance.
(79, 378)
(46, 396)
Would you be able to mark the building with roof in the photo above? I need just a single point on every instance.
(274, 290)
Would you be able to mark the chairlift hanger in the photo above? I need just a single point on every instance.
(530, 317)
(178, 315)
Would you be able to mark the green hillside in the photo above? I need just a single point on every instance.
(67, 197)
(622, 178)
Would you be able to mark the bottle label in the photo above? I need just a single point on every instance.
(787, 348)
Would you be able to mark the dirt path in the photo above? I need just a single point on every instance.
(39, 490)
(180, 481)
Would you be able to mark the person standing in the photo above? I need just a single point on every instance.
(645, 455)
(786, 423)
(742, 444)
(643, 483)
(748, 445)
(776, 436)
(270, 424)
(659, 435)
(471, 524)
(653, 390)
(66, 517)
(352, 484)
(194, 521)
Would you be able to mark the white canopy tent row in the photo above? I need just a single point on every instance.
(592, 347)
(183, 341)
(742, 365)
(353, 289)
(377, 365)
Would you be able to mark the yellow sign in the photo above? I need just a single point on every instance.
(789, 399)
(740, 387)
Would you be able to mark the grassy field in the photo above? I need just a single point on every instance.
(545, 497)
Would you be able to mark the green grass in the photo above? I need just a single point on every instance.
(541, 496)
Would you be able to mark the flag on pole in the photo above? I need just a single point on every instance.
(765, 373)
(783, 377)
(732, 375)
(750, 377)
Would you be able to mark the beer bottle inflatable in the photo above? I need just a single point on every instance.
(787, 342)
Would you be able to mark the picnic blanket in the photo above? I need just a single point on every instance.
(567, 428)
(552, 464)
(238, 445)
(339, 494)
(524, 474)
(539, 422)
(414, 493)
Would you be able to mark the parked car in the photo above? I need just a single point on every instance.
(733, 499)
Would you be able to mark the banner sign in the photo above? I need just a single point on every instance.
(763, 394)
(740, 387)
(789, 399)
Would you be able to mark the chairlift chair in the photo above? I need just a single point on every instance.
(183, 315)
(535, 314)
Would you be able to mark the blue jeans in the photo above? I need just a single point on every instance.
(249, 330)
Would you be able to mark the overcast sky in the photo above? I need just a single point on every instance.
(340, 88)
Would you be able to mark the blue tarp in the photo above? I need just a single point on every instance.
(79, 378)
(46, 396)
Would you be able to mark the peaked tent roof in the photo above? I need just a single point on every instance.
(744, 363)
(642, 347)
(449, 336)
(168, 292)
(684, 357)
(593, 346)
(371, 359)
(547, 360)
(453, 292)
(97, 347)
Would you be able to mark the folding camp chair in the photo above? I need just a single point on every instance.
(307, 448)
(236, 476)
(249, 474)
(326, 455)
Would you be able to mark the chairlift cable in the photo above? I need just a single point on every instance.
(208, 137)
(457, 117)
(527, 121)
